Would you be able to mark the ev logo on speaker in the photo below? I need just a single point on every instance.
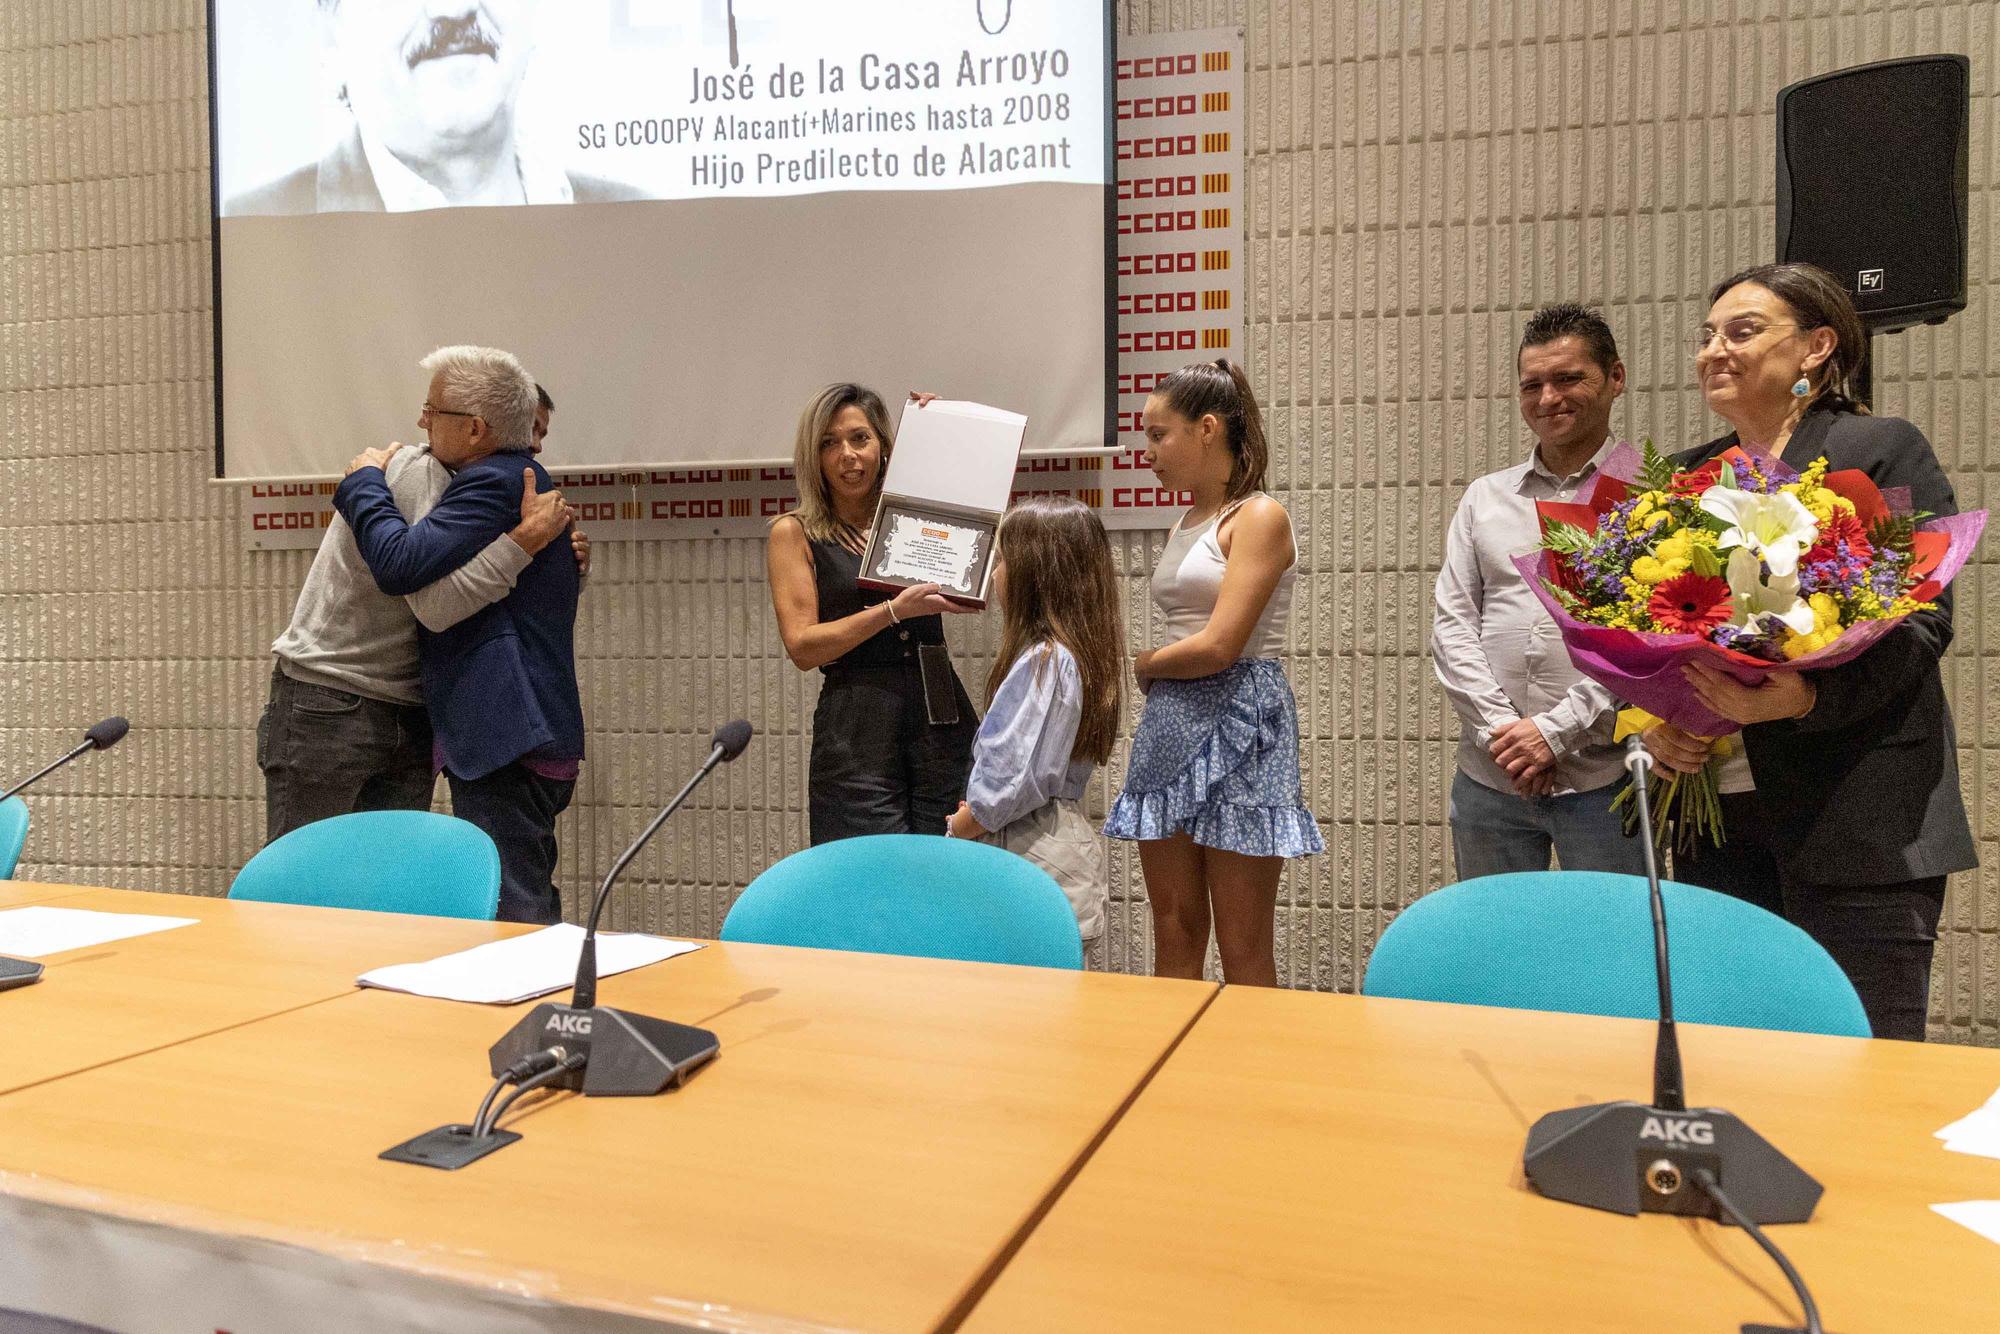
(1678, 1132)
(1869, 280)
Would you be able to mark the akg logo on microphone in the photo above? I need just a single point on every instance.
(1678, 1132)
(568, 1025)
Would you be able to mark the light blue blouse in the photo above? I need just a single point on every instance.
(1020, 759)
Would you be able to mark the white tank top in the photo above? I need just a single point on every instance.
(1188, 579)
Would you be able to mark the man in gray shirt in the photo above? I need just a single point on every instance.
(345, 729)
(1537, 770)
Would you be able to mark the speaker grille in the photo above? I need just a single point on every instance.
(1872, 180)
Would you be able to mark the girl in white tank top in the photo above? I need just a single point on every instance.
(1212, 793)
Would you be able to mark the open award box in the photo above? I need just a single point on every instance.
(947, 485)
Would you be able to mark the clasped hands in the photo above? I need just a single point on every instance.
(1520, 748)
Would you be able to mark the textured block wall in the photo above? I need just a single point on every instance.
(1420, 176)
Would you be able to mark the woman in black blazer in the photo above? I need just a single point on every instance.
(1856, 818)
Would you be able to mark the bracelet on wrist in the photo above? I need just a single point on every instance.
(892, 613)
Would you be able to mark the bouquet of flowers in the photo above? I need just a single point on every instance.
(1742, 563)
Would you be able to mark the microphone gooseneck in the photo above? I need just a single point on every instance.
(101, 736)
(1660, 1157)
(1668, 1094)
(727, 743)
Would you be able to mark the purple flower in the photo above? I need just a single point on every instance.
(1767, 643)
(1764, 476)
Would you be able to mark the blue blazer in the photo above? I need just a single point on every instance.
(501, 684)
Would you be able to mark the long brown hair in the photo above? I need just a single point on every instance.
(1060, 587)
(815, 512)
(1818, 301)
(1222, 387)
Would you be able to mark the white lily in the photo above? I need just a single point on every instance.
(1776, 527)
(1752, 600)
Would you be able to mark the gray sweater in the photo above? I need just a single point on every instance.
(349, 635)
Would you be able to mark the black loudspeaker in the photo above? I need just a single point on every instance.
(1871, 184)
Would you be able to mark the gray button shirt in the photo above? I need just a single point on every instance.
(1498, 655)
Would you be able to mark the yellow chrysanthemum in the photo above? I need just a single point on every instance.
(1826, 627)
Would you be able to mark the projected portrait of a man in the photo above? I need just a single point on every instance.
(431, 91)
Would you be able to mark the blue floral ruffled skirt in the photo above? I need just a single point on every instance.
(1219, 758)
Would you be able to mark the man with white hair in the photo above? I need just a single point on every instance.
(500, 686)
(345, 729)
(432, 88)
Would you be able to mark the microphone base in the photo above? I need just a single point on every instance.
(1629, 1158)
(626, 1054)
(18, 973)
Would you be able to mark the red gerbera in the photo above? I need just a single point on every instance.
(1690, 604)
(1698, 480)
(1842, 527)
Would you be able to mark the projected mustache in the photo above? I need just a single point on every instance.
(463, 35)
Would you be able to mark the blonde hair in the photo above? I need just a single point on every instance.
(816, 513)
(1061, 588)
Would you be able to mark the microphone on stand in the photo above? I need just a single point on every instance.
(1628, 1157)
(102, 736)
(623, 1054)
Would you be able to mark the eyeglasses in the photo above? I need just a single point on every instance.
(1735, 334)
(429, 411)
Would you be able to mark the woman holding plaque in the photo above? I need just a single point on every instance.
(1212, 789)
(888, 756)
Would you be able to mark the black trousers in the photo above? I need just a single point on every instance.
(327, 752)
(1882, 936)
(517, 808)
(879, 766)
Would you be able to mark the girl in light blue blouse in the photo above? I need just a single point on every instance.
(1054, 698)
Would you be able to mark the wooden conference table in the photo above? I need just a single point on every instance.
(899, 1144)
(874, 1135)
(242, 962)
(1317, 1162)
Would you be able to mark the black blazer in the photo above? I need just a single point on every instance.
(1864, 789)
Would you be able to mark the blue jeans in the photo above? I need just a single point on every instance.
(1493, 833)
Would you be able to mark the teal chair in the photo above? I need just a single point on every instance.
(1581, 942)
(384, 861)
(13, 834)
(937, 898)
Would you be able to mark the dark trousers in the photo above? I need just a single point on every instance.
(879, 765)
(1882, 936)
(517, 808)
(327, 752)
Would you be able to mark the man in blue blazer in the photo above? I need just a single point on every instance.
(501, 684)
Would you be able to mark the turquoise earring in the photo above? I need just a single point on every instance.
(1801, 387)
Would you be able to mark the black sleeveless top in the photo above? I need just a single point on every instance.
(835, 572)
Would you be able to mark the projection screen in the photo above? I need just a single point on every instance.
(685, 216)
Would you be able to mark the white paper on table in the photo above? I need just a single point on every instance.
(31, 933)
(956, 453)
(520, 968)
(1982, 1216)
(1975, 1133)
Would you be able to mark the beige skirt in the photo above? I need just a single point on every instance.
(1058, 837)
